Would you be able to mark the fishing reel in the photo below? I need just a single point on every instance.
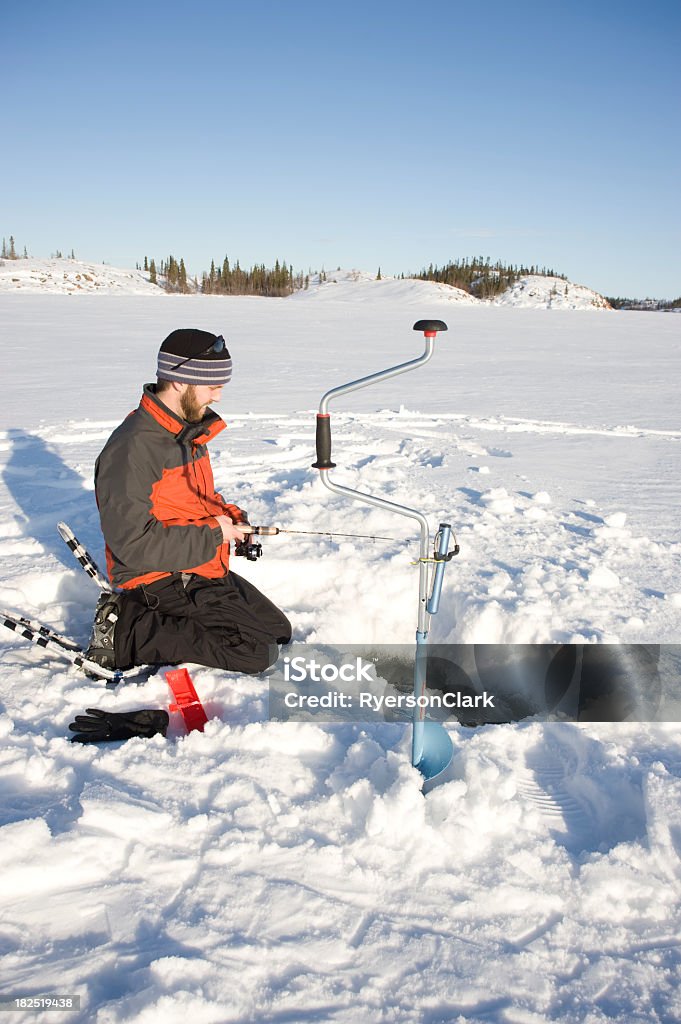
(248, 549)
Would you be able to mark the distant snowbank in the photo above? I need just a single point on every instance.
(65, 276)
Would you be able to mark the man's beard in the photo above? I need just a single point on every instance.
(191, 410)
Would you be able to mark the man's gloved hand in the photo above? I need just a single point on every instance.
(97, 726)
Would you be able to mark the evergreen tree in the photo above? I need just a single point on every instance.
(4, 250)
(152, 272)
(259, 280)
(172, 275)
(12, 251)
(146, 265)
(378, 275)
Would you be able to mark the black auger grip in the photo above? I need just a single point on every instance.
(323, 443)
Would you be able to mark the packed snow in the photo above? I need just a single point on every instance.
(267, 871)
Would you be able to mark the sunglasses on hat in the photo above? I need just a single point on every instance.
(219, 345)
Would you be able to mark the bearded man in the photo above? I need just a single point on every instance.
(168, 532)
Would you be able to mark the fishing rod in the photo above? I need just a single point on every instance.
(252, 551)
(272, 531)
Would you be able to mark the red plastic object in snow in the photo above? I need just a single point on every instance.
(186, 699)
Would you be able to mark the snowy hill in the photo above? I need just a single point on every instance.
(531, 292)
(360, 286)
(65, 276)
(536, 292)
(74, 277)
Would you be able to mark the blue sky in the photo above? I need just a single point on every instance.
(351, 134)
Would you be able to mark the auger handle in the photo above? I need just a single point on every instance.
(430, 330)
(323, 440)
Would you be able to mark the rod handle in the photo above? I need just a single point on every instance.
(323, 442)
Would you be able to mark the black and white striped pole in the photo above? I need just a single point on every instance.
(431, 745)
(82, 556)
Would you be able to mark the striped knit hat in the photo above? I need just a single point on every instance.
(191, 356)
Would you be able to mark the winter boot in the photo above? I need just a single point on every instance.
(101, 646)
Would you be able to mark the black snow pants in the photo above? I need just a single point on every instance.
(223, 623)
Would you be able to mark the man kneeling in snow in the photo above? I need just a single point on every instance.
(168, 532)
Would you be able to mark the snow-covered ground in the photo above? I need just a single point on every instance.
(294, 872)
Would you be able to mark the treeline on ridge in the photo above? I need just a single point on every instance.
(476, 275)
(480, 277)
(646, 305)
(226, 279)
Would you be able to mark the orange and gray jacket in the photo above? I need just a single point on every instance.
(156, 497)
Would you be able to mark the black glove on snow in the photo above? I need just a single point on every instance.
(97, 726)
